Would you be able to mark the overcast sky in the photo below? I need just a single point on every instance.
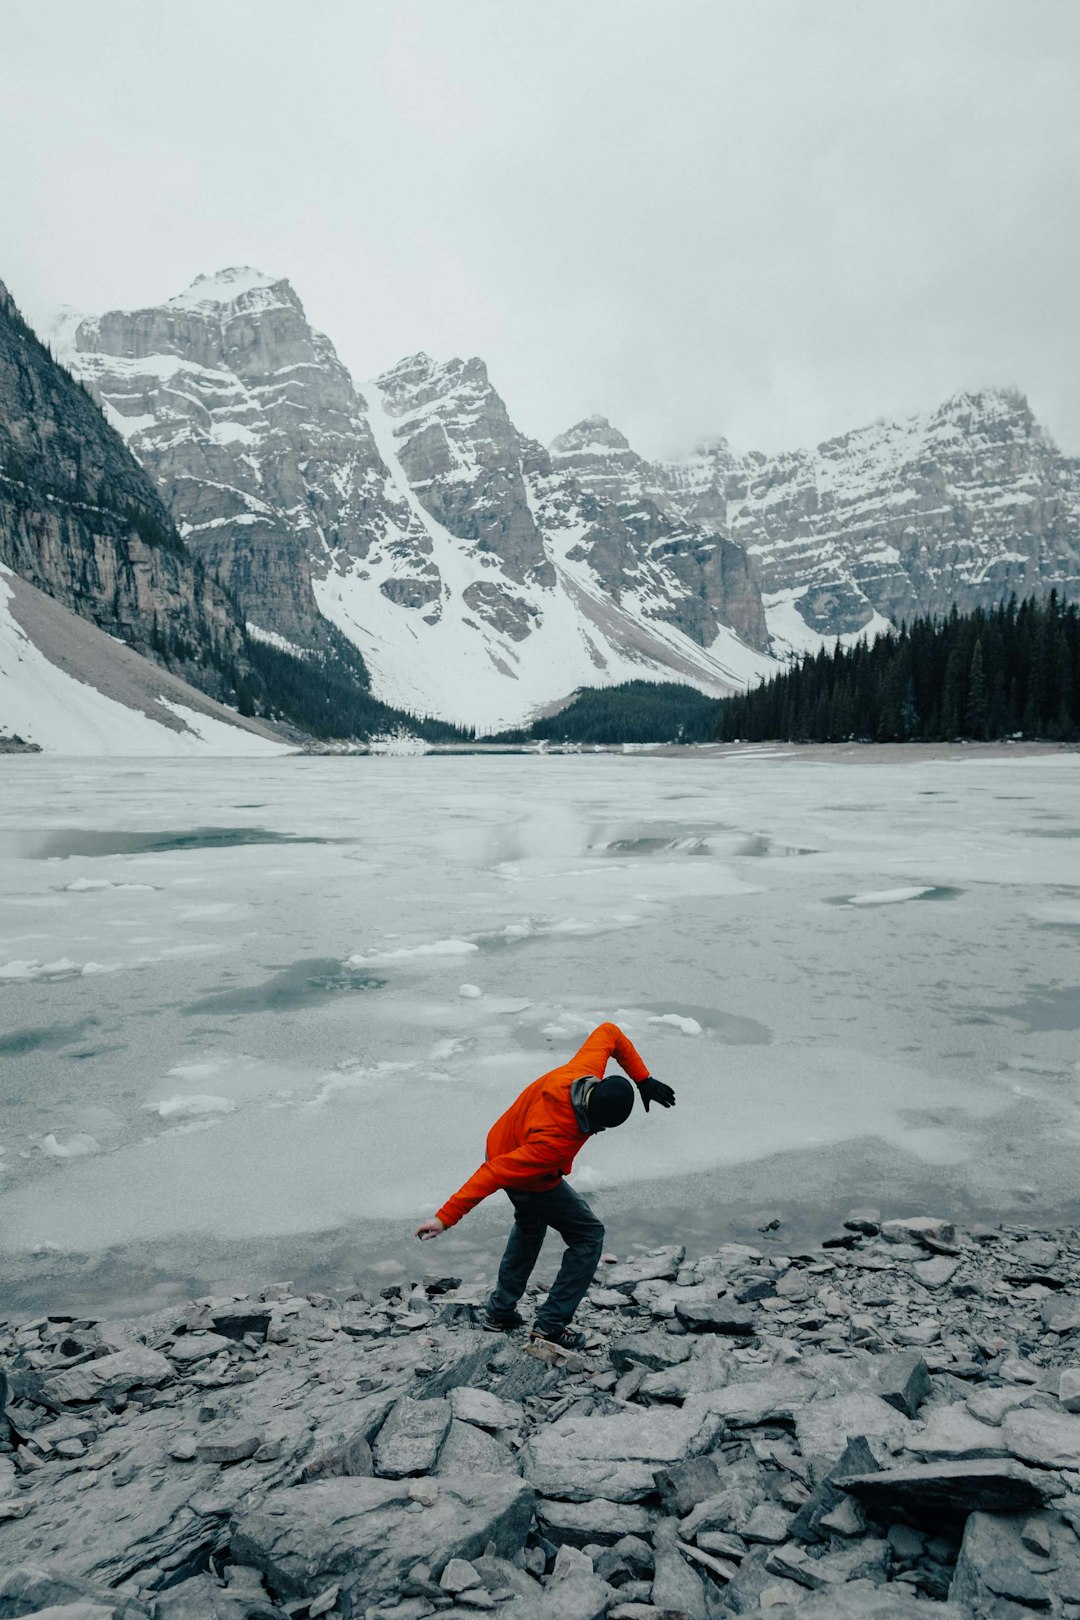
(774, 221)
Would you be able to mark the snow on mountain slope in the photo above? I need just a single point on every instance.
(496, 643)
(480, 582)
(965, 503)
(71, 689)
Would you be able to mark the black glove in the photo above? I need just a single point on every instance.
(656, 1091)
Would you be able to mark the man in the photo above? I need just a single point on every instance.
(529, 1151)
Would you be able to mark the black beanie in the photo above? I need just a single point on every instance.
(610, 1102)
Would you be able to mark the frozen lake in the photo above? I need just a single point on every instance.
(234, 1042)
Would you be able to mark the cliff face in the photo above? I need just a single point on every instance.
(82, 521)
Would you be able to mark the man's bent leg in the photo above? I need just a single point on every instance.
(583, 1235)
(522, 1251)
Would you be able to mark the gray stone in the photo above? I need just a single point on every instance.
(827, 1497)
(862, 1600)
(675, 1587)
(229, 1448)
(458, 1576)
(1048, 1438)
(577, 1596)
(935, 1273)
(625, 1276)
(357, 1532)
(30, 1588)
(569, 1560)
(133, 1368)
(409, 1440)
(615, 1456)
(927, 1230)
(903, 1381)
(940, 1495)
(192, 1348)
(1061, 1314)
(469, 1450)
(580, 1523)
(716, 1316)
(1069, 1388)
(1036, 1252)
(992, 1404)
(741, 1492)
(654, 1350)
(767, 1400)
(682, 1485)
(487, 1411)
(997, 1569)
(237, 1321)
(768, 1523)
(952, 1432)
(470, 1368)
(846, 1519)
(825, 1427)
(1015, 1370)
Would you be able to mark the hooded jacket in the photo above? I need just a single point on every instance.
(534, 1144)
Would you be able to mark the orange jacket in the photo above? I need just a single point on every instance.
(534, 1144)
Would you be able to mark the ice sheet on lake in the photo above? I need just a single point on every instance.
(226, 1110)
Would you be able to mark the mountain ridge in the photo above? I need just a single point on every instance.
(483, 576)
(477, 581)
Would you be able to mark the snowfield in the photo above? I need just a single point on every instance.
(858, 972)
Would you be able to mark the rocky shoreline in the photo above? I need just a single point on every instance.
(885, 1425)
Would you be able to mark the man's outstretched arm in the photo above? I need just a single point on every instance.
(539, 1152)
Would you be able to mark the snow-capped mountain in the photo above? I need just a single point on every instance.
(112, 639)
(477, 577)
(965, 504)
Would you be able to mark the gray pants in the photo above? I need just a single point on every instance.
(583, 1234)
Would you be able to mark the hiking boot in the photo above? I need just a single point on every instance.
(563, 1338)
(502, 1322)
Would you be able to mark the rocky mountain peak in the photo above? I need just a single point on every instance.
(238, 284)
(591, 434)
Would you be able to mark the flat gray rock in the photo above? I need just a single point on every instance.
(861, 1600)
(409, 1440)
(825, 1427)
(952, 1432)
(716, 1316)
(935, 1273)
(933, 1495)
(579, 1523)
(195, 1347)
(1047, 1438)
(487, 1411)
(363, 1533)
(921, 1229)
(625, 1275)
(767, 1400)
(654, 1349)
(614, 1457)
(133, 1368)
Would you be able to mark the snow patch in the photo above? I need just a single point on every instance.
(887, 897)
(190, 1107)
(685, 1026)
